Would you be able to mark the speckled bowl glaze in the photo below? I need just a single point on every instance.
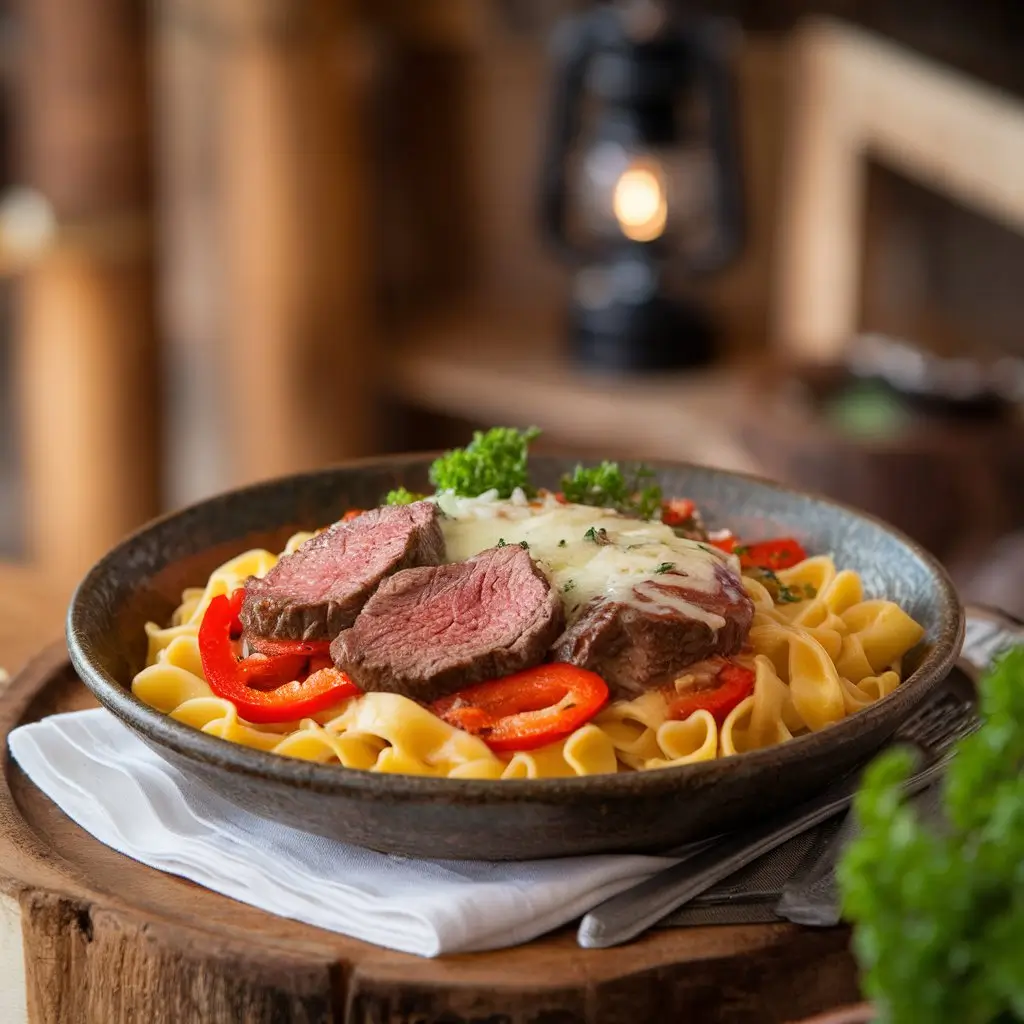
(142, 579)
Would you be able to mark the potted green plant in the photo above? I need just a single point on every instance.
(938, 913)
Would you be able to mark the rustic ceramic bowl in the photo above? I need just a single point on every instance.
(142, 579)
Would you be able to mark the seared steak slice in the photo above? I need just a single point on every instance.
(319, 589)
(429, 632)
(648, 641)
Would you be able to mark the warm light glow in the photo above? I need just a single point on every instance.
(639, 203)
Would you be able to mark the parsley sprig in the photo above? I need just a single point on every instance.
(493, 460)
(939, 912)
(402, 496)
(607, 486)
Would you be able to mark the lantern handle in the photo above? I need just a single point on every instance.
(710, 41)
(572, 47)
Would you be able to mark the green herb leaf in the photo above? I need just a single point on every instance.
(606, 486)
(939, 911)
(562, 543)
(781, 593)
(569, 585)
(524, 545)
(493, 460)
(501, 542)
(665, 567)
(402, 496)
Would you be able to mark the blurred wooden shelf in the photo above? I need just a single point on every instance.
(493, 369)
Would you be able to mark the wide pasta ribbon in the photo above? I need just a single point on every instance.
(815, 660)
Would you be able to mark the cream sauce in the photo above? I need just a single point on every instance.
(590, 553)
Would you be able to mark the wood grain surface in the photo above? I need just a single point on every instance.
(87, 935)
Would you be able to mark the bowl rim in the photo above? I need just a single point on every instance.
(194, 745)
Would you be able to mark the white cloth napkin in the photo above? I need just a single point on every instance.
(122, 793)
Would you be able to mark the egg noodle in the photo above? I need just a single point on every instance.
(815, 661)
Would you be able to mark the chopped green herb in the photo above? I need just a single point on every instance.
(569, 585)
(704, 547)
(781, 592)
(562, 543)
(401, 496)
(606, 486)
(524, 545)
(937, 907)
(665, 567)
(741, 549)
(501, 542)
(495, 460)
(598, 536)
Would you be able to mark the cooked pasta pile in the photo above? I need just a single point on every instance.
(815, 661)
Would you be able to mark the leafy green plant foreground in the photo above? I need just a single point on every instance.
(939, 914)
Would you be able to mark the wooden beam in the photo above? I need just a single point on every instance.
(274, 126)
(86, 344)
(854, 96)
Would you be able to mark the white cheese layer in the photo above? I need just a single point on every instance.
(591, 553)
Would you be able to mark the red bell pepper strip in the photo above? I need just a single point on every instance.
(263, 688)
(733, 684)
(275, 648)
(780, 553)
(528, 709)
(677, 511)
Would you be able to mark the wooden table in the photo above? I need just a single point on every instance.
(87, 935)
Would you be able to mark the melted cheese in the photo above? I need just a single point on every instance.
(591, 554)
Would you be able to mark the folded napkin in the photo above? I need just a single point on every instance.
(117, 789)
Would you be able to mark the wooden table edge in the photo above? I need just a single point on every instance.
(52, 912)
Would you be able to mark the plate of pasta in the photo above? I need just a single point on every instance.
(490, 654)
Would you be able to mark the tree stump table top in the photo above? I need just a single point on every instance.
(88, 935)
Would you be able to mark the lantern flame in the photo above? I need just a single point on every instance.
(639, 203)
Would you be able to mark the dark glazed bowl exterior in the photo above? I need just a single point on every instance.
(142, 579)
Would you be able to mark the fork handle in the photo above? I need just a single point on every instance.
(627, 915)
(632, 912)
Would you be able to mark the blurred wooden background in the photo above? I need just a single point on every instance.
(261, 237)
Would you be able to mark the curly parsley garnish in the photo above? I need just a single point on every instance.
(607, 486)
(402, 496)
(937, 911)
(493, 460)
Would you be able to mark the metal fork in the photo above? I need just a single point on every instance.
(934, 730)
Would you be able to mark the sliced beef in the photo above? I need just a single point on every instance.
(429, 632)
(320, 588)
(648, 642)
